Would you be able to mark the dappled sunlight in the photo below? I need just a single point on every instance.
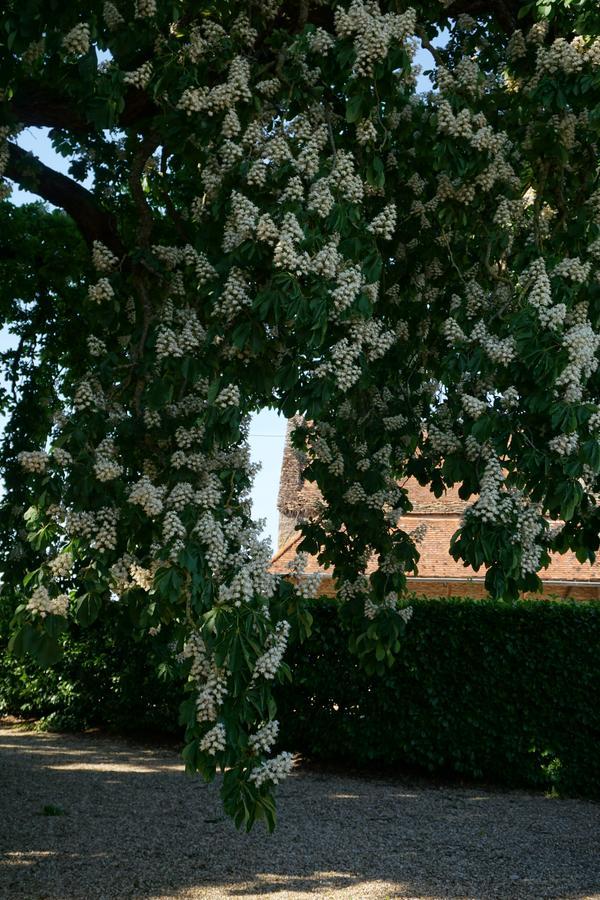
(27, 858)
(116, 767)
(130, 823)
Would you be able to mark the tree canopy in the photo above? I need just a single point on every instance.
(263, 210)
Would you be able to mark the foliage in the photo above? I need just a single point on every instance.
(502, 692)
(108, 676)
(262, 210)
(488, 691)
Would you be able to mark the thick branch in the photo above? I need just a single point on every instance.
(94, 223)
(43, 107)
(294, 14)
(505, 12)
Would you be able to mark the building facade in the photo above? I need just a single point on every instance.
(439, 574)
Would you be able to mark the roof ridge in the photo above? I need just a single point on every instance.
(286, 547)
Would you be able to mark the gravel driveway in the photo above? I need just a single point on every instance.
(135, 826)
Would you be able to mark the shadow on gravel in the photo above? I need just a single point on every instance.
(130, 824)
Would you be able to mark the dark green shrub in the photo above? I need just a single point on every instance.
(483, 690)
(109, 677)
(507, 693)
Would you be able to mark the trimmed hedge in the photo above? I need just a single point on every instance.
(485, 690)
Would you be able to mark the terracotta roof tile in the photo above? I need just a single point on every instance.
(297, 498)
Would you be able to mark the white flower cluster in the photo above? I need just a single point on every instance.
(320, 42)
(285, 255)
(105, 537)
(560, 56)
(171, 343)
(106, 467)
(148, 496)
(530, 526)
(145, 9)
(33, 460)
(61, 457)
(139, 78)
(102, 291)
(229, 396)
(210, 681)
(272, 770)
(366, 133)
(342, 365)
(215, 740)
(268, 663)
(181, 495)
(307, 586)
(112, 16)
(373, 32)
(371, 609)
(104, 259)
(76, 524)
(235, 295)
(384, 224)
(141, 576)
(241, 223)
(473, 406)
(321, 200)
(61, 565)
(77, 41)
(581, 343)
(406, 614)
(349, 282)
(443, 441)
(499, 350)
(223, 96)
(453, 332)
(418, 534)
(86, 396)
(265, 737)
(350, 589)
(371, 336)
(573, 270)
(95, 346)
(594, 421)
(212, 690)
(209, 492)
(211, 535)
(458, 126)
(252, 562)
(394, 423)
(355, 494)
(242, 30)
(488, 505)
(344, 177)
(41, 604)
(564, 444)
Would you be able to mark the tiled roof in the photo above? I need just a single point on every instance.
(442, 516)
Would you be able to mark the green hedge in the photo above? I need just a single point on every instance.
(505, 693)
(108, 677)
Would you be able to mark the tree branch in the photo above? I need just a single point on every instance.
(505, 12)
(42, 107)
(94, 223)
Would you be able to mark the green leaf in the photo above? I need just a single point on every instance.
(87, 608)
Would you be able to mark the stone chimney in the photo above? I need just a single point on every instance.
(296, 498)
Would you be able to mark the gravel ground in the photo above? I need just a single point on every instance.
(135, 826)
